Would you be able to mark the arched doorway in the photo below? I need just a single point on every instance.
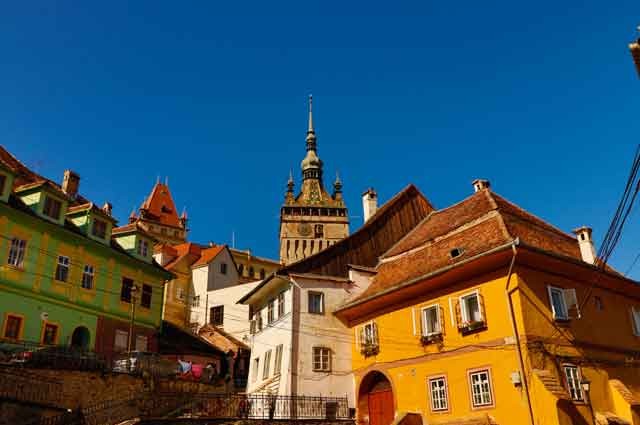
(375, 400)
(80, 338)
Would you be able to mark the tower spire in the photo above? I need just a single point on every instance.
(310, 129)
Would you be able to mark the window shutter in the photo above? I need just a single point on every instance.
(458, 313)
(440, 319)
(633, 313)
(553, 309)
(359, 336)
(375, 333)
(481, 305)
(413, 320)
(571, 301)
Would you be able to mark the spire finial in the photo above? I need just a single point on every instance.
(310, 129)
(290, 183)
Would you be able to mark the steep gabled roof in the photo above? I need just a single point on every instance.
(388, 225)
(208, 255)
(159, 206)
(478, 224)
(190, 252)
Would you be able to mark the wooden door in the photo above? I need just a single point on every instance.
(381, 407)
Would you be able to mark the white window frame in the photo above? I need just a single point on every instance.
(62, 265)
(315, 293)
(423, 318)
(180, 294)
(123, 336)
(464, 314)
(361, 335)
(142, 341)
(439, 400)
(271, 312)
(17, 250)
(281, 305)
(277, 363)
(635, 320)
(323, 355)
(266, 365)
(256, 369)
(88, 274)
(143, 248)
(564, 315)
(479, 386)
(573, 379)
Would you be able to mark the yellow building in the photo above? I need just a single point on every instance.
(251, 267)
(486, 314)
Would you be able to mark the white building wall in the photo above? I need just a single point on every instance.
(236, 316)
(324, 330)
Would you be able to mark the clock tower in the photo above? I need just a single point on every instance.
(313, 219)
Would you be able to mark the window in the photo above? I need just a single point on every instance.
(3, 181)
(62, 269)
(316, 302)
(121, 340)
(456, 252)
(143, 247)
(223, 268)
(52, 208)
(196, 301)
(125, 291)
(145, 299)
(431, 324)
(16, 252)
(256, 369)
(270, 312)
(262, 274)
(259, 321)
(277, 365)
(99, 228)
(480, 388)
(12, 327)
(180, 294)
(281, 304)
(635, 318)
(87, 277)
(267, 362)
(141, 343)
(368, 339)
(562, 302)
(470, 309)
(574, 383)
(438, 392)
(217, 315)
(321, 359)
(240, 269)
(50, 334)
(318, 231)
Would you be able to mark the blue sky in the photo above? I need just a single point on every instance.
(539, 97)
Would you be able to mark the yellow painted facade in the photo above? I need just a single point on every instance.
(599, 341)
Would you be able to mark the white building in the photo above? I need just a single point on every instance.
(298, 347)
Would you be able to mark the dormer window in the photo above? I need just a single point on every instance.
(99, 229)
(143, 248)
(52, 208)
(3, 183)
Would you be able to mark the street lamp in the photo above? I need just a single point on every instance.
(134, 299)
(635, 53)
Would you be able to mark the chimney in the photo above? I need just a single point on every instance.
(369, 203)
(587, 250)
(479, 184)
(107, 208)
(71, 183)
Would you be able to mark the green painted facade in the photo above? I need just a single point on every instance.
(31, 291)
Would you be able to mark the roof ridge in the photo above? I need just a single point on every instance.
(531, 217)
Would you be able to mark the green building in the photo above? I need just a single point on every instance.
(68, 275)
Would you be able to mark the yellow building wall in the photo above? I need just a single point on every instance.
(600, 342)
(409, 364)
(177, 311)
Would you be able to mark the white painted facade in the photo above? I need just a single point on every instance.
(300, 331)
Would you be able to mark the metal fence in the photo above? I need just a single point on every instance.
(265, 406)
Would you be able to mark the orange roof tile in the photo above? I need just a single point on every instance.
(481, 222)
(188, 250)
(159, 206)
(208, 254)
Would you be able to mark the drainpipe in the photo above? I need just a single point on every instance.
(514, 327)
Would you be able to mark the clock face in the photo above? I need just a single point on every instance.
(304, 229)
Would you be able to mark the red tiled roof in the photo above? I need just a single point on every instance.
(159, 206)
(476, 225)
(93, 207)
(188, 250)
(208, 255)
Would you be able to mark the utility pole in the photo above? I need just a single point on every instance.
(134, 299)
